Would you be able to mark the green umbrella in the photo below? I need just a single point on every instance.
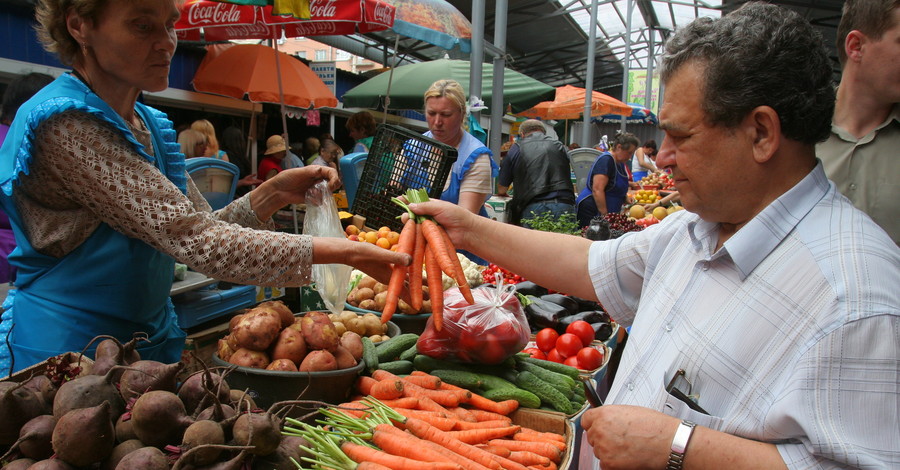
(409, 83)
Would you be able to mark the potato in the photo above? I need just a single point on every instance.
(284, 312)
(317, 361)
(358, 326)
(352, 299)
(319, 331)
(366, 281)
(249, 358)
(352, 342)
(379, 288)
(344, 358)
(234, 321)
(368, 304)
(426, 306)
(378, 338)
(347, 315)
(340, 328)
(365, 293)
(257, 329)
(380, 300)
(290, 345)
(223, 350)
(373, 325)
(406, 308)
(285, 365)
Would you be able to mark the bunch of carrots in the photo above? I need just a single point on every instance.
(403, 433)
(429, 245)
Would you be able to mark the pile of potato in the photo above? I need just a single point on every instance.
(370, 294)
(270, 337)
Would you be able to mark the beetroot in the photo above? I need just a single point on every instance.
(145, 458)
(19, 464)
(262, 431)
(119, 452)
(144, 376)
(88, 391)
(159, 418)
(200, 433)
(18, 405)
(45, 390)
(84, 436)
(34, 438)
(197, 391)
(124, 428)
(51, 464)
(281, 458)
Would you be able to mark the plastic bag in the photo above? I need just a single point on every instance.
(321, 220)
(489, 331)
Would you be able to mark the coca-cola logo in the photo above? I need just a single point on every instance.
(218, 13)
(383, 13)
(313, 28)
(322, 9)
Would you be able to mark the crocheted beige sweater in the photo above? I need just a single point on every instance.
(85, 173)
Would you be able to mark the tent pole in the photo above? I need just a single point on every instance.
(626, 59)
(589, 77)
(497, 99)
(387, 97)
(476, 58)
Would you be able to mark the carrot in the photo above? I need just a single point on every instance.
(449, 454)
(435, 288)
(380, 389)
(432, 418)
(404, 445)
(398, 276)
(459, 275)
(424, 380)
(360, 453)
(410, 403)
(525, 457)
(445, 254)
(412, 390)
(482, 435)
(550, 466)
(426, 431)
(501, 407)
(540, 448)
(415, 270)
(464, 394)
(463, 414)
(371, 466)
(501, 451)
(547, 436)
(482, 415)
(528, 437)
(464, 425)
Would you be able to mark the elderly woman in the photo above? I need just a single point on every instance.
(607, 183)
(470, 182)
(95, 187)
(193, 143)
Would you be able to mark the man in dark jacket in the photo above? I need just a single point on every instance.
(537, 167)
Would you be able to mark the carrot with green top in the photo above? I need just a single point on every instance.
(398, 276)
(423, 430)
(469, 464)
(415, 270)
(410, 403)
(380, 389)
(482, 435)
(432, 418)
(445, 253)
(360, 453)
(435, 288)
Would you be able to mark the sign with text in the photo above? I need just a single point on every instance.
(327, 71)
(637, 89)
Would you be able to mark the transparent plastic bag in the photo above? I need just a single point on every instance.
(321, 220)
(489, 331)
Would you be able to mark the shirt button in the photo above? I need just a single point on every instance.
(853, 186)
(705, 266)
(668, 327)
(630, 386)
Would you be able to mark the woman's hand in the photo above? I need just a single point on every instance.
(249, 180)
(289, 187)
(368, 258)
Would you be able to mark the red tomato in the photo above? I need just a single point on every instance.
(546, 339)
(535, 353)
(491, 352)
(583, 330)
(590, 358)
(573, 361)
(554, 356)
(568, 344)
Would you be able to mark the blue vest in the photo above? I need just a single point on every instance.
(111, 284)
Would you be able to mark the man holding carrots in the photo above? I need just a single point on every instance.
(765, 316)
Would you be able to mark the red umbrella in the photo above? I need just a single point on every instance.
(226, 21)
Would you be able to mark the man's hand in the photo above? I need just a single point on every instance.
(629, 437)
(454, 219)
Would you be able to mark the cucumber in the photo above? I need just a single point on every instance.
(524, 397)
(391, 349)
(490, 382)
(564, 383)
(409, 354)
(397, 367)
(369, 355)
(552, 366)
(427, 364)
(548, 394)
(459, 378)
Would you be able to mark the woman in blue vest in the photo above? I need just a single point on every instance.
(607, 183)
(101, 206)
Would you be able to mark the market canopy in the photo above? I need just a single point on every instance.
(409, 83)
(569, 104)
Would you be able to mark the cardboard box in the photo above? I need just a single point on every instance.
(202, 345)
(41, 367)
(496, 208)
(549, 421)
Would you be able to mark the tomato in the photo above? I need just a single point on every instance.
(554, 356)
(491, 352)
(546, 339)
(568, 344)
(582, 330)
(535, 353)
(590, 358)
(573, 361)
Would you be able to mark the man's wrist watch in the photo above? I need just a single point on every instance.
(679, 445)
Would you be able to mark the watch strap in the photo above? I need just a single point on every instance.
(679, 445)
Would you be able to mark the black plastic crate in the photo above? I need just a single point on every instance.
(400, 159)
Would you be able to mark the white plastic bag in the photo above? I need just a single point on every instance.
(321, 220)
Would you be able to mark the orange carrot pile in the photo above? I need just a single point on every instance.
(431, 247)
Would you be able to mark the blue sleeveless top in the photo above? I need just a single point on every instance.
(111, 284)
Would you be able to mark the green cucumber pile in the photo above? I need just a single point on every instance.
(534, 383)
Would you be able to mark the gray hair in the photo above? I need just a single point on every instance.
(531, 125)
(759, 55)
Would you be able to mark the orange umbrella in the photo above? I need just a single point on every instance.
(251, 70)
(569, 104)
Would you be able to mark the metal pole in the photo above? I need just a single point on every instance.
(589, 77)
(648, 95)
(497, 101)
(626, 58)
(477, 56)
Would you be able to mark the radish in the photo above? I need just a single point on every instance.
(145, 458)
(88, 391)
(146, 375)
(84, 436)
(158, 418)
(18, 405)
(34, 438)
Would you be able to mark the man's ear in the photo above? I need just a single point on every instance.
(764, 130)
(853, 45)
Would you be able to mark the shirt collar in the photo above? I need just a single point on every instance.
(893, 116)
(756, 240)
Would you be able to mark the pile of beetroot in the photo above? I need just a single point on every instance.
(126, 413)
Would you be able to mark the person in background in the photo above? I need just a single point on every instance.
(270, 165)
(642, 161)
(97, 193)
(310, 149)
(778, 312)
(291, 160)
(607, 182)
(860, 155)
(537, 166)
(212, 150)
(193, 143)
(235, 145)
(330, 154)
(17, 92)
(471, 179)
(361, 127)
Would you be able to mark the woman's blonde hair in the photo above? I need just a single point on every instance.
(52, 31)
(207, 129)
(188, 139)
(450, 89)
